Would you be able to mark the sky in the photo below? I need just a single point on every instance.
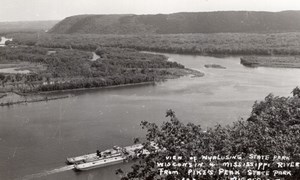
(32, 10)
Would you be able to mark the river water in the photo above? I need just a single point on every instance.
(14, 70)
(3, 40)
(36, 138)
(95, 56)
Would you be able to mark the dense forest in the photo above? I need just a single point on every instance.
(64, 61)
(203, 44)
(196, 22)
(59, 69)
(69, 65)
(272, 129)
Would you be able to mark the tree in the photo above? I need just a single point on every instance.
(170, 113)
(2, 77)
(270, 131)
(296, 91)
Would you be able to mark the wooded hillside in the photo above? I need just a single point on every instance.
(198, 22)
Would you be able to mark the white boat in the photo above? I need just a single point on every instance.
(79, 159)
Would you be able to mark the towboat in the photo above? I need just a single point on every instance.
(115, 151)
(80, 159)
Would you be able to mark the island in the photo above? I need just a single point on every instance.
(271, 61)
(216, 66)
(31, 69)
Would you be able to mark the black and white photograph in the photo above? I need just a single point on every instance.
(149, 90)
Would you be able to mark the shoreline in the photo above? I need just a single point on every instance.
(215, 55)
(32, 101)
(180, 73)
(93, 88)
(187, 72)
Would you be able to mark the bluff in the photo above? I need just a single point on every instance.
(192, 22)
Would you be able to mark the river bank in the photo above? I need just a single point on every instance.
(9, 98)
(175, 73)
(13, 98)
(271, 61)
(32, 101)
(94, 88)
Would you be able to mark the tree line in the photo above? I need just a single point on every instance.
(73, 68)
(272, 129)
(203, 44)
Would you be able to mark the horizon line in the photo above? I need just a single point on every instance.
(18, 21)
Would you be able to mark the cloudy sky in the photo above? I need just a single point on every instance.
(20, 10)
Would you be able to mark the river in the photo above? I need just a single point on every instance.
(36, 138)
(3, 40)
(95, 56)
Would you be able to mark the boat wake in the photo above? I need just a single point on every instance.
(48, 172)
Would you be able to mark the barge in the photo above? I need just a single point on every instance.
(100, 163)
(108, 157)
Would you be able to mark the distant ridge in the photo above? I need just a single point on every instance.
(27, 26)
(192, 22)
